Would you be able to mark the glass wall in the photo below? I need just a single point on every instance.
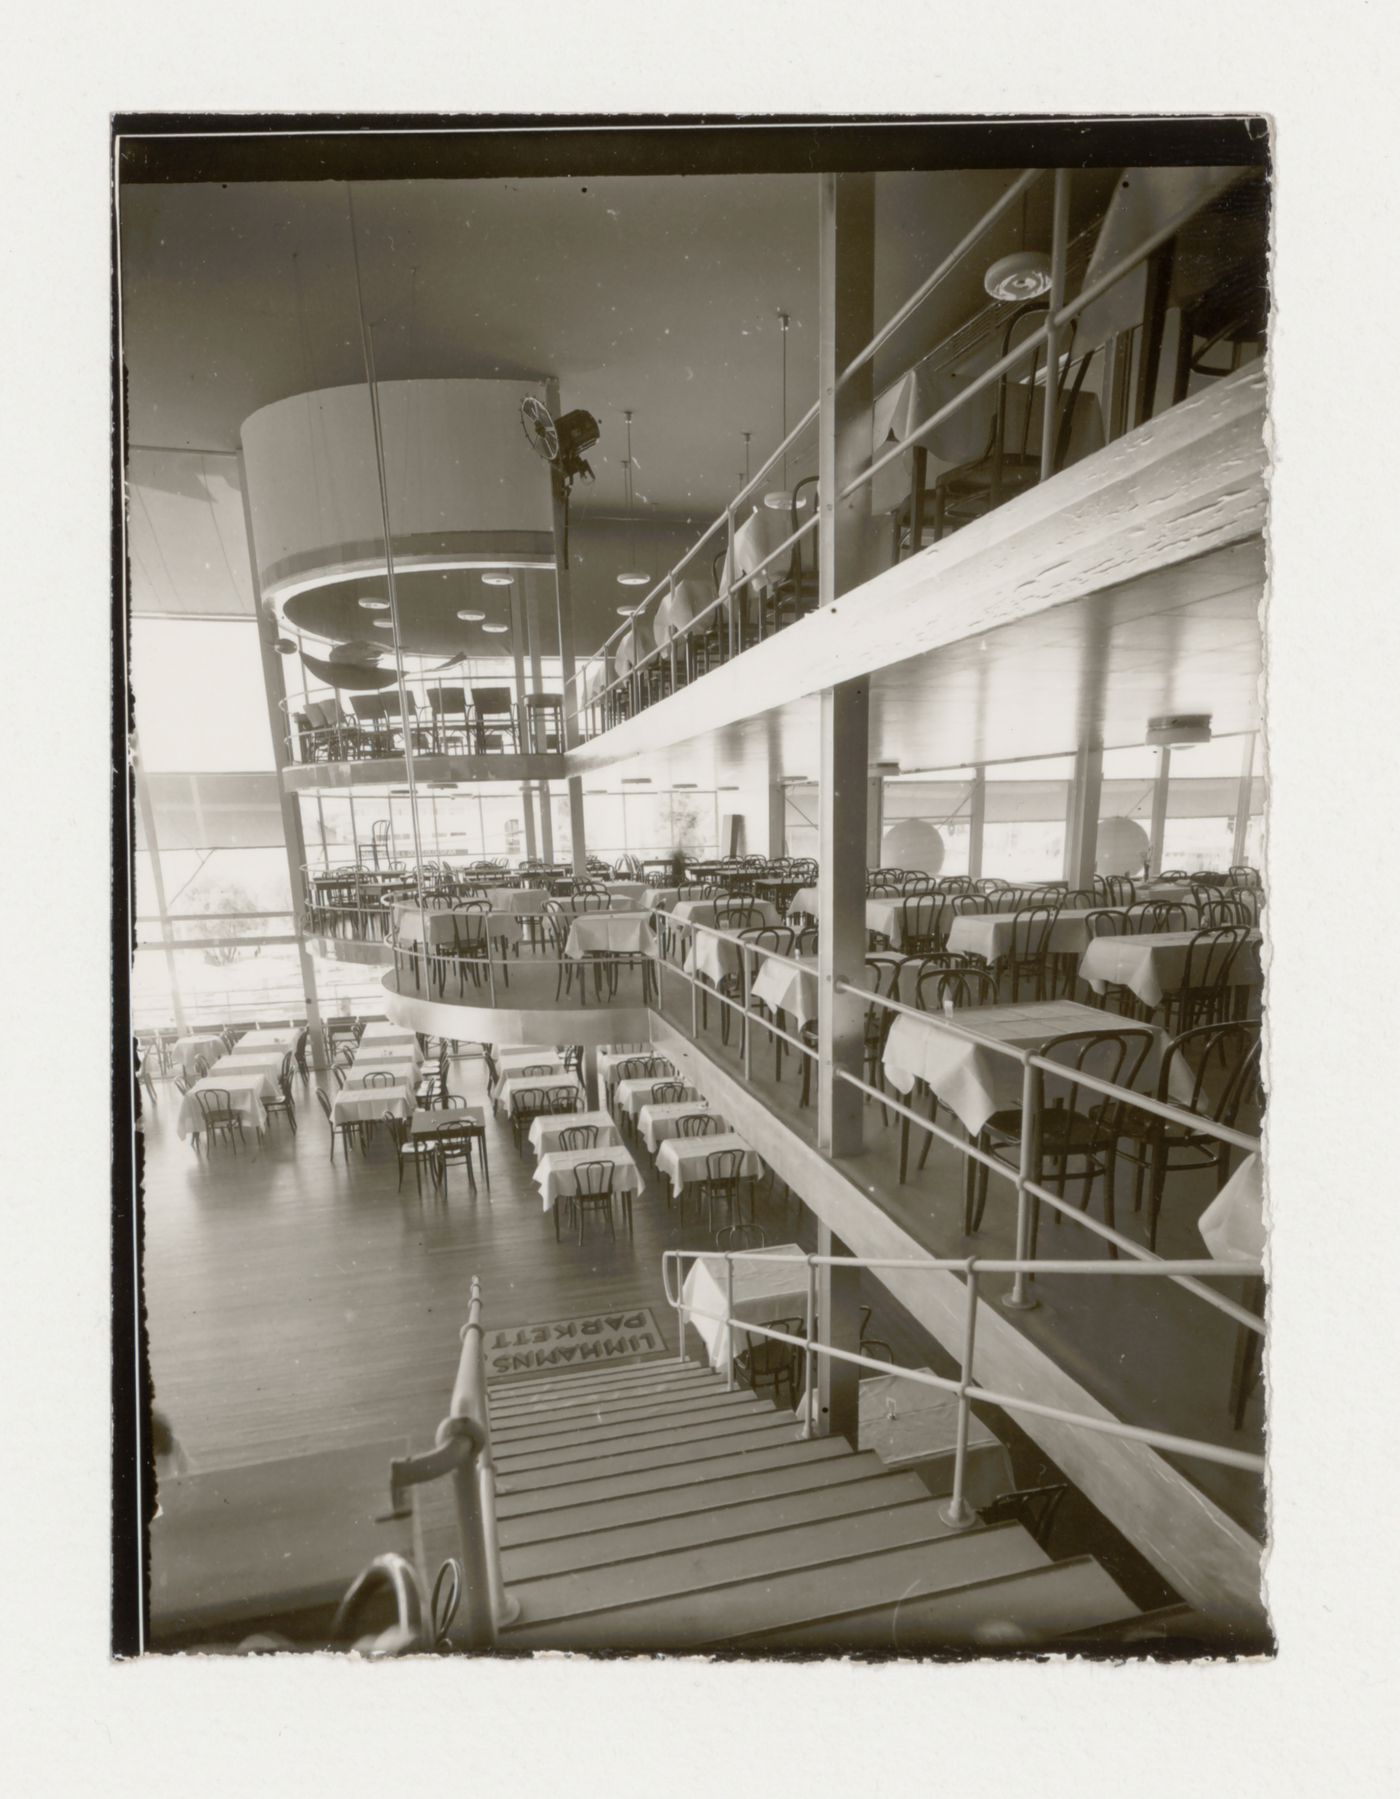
(1027, 804)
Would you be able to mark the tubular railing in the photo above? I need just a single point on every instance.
(972, 1268)
(463, 1450)
(605, 706)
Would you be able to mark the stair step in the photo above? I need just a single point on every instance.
(755, 1459)
(1039, 1606)
(574, 1398)
(768, 1601)
(561, 1426)
(712, 1498)
(692, 1530)
(512, 1392)
(778, 1429)
(605, 1442)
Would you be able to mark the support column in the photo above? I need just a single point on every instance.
(976, 822)
(838, 1322)
(777, 821)
(517, 645)
(874, 822)
(1246, 798)
(1082, 824)
(845, 558)
(564, 612)
(533, 634)
(842, 805)
(275, 693)
(1160, 788)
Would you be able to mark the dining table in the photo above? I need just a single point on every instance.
(609, 934)
(382, 1031)
(616, 1056)
(1152, 964)
(655, 1123)
(783, 988)
(273, 1036)
(441, 1125)
(513, 1084)
(556, 1170)
(686, 600)
(962, 1059)
(246, 1096)
(1232, 1225)
(199, 1043)
(631, 1095)
(388, 1052)
(767, 1284)
(546, 1130)
(367, 1105)
(257, 1061)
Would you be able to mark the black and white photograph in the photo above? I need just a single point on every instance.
(700, 903)
(700, 716)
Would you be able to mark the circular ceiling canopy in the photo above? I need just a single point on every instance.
(431, 604)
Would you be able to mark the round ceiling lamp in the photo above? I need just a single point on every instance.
(284, 646)
(383, 624)
(375, 605)
(632, 575)
(498, 577)
(1023, 275)
(629, 611)
(1122, 847)
(780, 500)
(471, 617)
(496, 630)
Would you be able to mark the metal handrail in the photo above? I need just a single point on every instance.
(463, 1450)
(957, 1513)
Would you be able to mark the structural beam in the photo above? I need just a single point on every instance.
(838, 1324)
(517, 645)
(1082, 824)
(568, 668)
(1161, 788)
(1246, 798)
(842, 800)
(275, 694)
(976, 821)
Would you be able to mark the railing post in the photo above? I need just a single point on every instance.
(1059, 253)
(1019, 1298)
(505, 1607)
(694, 979)
(809, 1373)
(728, 1324)
(727, 578)
(746, 977)
(957, 1513)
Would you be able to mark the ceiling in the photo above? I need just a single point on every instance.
(658, 294)
(1183, 639)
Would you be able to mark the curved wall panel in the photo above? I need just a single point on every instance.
(465, 488)
(526, 1025)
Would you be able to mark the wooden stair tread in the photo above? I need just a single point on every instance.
(511, 1392)
(511, 1430)
(714, 1614)
(1035, 1606)
(781, 1428)
(791, 1475)
(691, 1530)
(750, 1460)
(516, 1460)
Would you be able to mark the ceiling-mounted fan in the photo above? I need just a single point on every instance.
(562, 441)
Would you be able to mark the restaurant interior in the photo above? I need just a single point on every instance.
(698, 791)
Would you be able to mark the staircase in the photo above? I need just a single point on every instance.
(649, 1509)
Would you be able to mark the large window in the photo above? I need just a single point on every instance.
(1027, 804)
(200, 700)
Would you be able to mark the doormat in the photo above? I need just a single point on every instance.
(571, 1343)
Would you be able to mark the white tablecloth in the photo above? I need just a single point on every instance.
(281, 1036)
(684, 1159)
(511, 1061)
(382, 1032)
(259, 1061)
(211, 1047)
(613, 933)
(527, 1083)
(631, 1096)
(631, 893)
(883, 915)
(246, 1093)
(783, 988)
(1233, 1223)
(610, 1060)
(367, 1105)
(763, 1290)
(1154, 964)
(367, 1074)
(554, 1172)
(546, 1131)
(679, 607)
(663, 898)
(656, 1123)
(973, 1079)
(388, 1052)
(760, 534)
(989, 935)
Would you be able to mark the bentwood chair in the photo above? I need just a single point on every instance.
(495, 719)
(579, 1136)
(218, 1118)
(764, 1363)
(1204, 994)
(592, 1197)
(349, 1132)
(285, 1103)
(936, 989)
(1222, 1067)
(1077, 1125)
(422, 1152)
(721, 1186)
(1028, 959)
(920, 933)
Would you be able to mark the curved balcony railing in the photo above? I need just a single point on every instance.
(444, 718)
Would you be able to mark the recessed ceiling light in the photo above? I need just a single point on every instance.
(375, 605)
(383, 624)
(496, 577)
(469, 617)
(629, 611)
(687, 785)
(634, 577)
(636, 780)
(496, 630)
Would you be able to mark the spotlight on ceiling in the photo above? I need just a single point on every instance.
(496, 630)
(497, 577)
(634, 577)
(375, 605)
(470, 617)
(1023, 275)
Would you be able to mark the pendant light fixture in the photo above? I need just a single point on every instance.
(632, 575)
(780, 499)
(375, 605)
(470, 616)
(498, 577)
(496, 630)
(1023, 275)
